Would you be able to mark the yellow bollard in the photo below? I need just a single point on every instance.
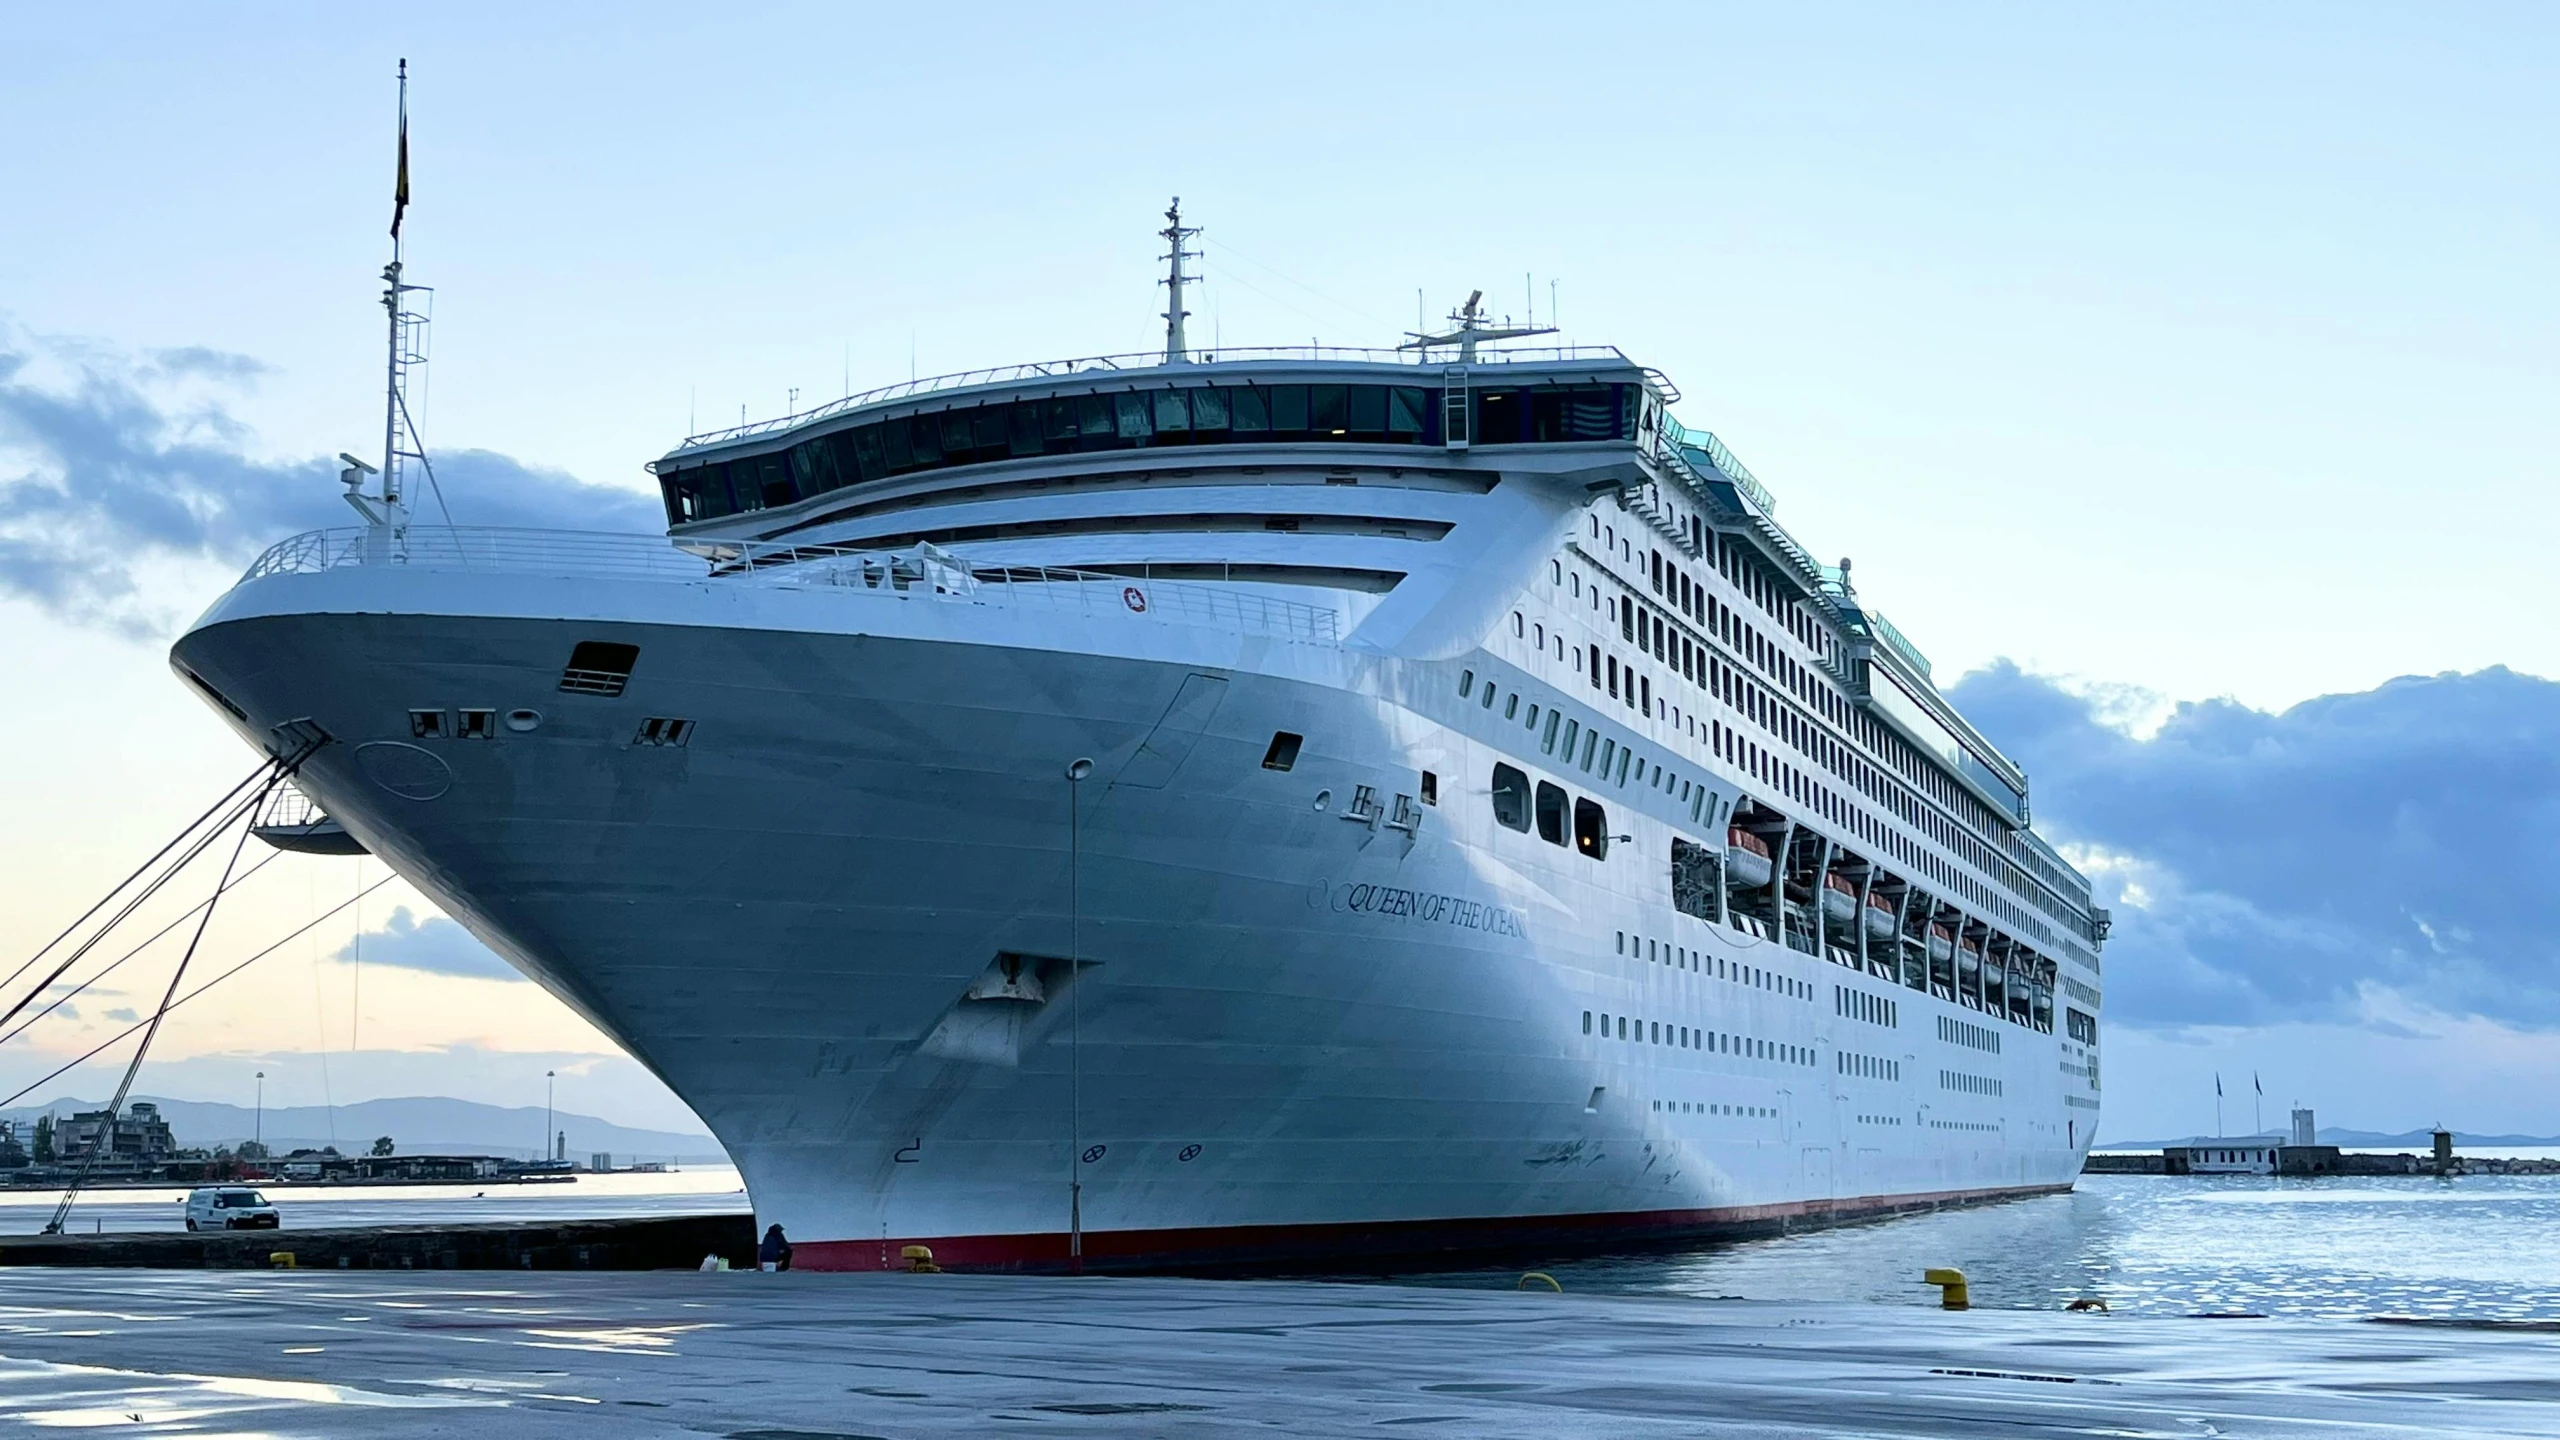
(280, 1259)
(919, 1260)
(1542, 1276)
(1951, 1287)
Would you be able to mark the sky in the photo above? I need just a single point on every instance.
(2174, 377)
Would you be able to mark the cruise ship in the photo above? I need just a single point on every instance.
(1214, 807)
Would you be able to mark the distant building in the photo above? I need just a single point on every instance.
(139, 1135)
(601, 1161)
(2305, 1133)
(13, 1151)
(2249, 1155)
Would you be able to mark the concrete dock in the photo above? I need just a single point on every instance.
(824, 1357)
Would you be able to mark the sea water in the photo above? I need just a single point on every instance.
(2474, 1247)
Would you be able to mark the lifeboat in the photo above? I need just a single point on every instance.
(1879, 917)
(1839, 901)
(1942, 943)
(1969, 961)
(1746, 859)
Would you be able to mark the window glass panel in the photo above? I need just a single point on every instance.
(1095, 428)
(989, 424)
(813, 465)
(868, 461)
(1368, 405)
(1289, 409)
(1173, 412)
(959, 437)
(1510, 797)
(1331, 413)
(1497, 417)
(1209, 409)
(924, 433)
(1551, 807)
(1058, 420)
(1591, 829)
(773, 480)
(1595, 412)
(1252, 407)
(1023, 423)
(1404, 410)
(894, 446)
(1134, 419)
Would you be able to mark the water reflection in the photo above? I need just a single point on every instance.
(2479, 1246)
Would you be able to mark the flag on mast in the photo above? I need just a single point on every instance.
(2217, 1084)
(400, 189)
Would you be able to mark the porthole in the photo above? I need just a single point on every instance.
(1323, 798)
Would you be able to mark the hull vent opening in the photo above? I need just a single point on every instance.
(660, 730)
(1283, 752)
(598, 667)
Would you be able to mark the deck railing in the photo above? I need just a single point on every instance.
(918, 572)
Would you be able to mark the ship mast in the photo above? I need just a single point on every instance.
(1471, 330)
(1177, 350)
(407, 334)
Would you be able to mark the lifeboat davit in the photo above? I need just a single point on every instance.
(1879, 917)
(1746, 859)
(1839, 901)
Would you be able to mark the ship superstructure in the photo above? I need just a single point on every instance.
(1219, 805)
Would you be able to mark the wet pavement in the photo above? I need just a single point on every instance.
(819, 1357)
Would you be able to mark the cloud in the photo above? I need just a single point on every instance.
(2283, 867)
(435, 945)
(124, 1013)
(112, 463)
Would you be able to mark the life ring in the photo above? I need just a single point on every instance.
(1134, 598)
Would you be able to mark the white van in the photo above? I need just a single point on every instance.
(230, 1207)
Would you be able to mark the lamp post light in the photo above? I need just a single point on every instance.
(549, 1079)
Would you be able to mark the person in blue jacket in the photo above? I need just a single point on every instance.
(775, 1252)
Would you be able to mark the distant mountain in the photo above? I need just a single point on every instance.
(2368, 1140)
(417, 1125)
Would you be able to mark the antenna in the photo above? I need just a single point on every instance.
(407, 320)
(1471, 330)
(1177, 351)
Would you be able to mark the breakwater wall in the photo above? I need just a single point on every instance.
(650, 1243)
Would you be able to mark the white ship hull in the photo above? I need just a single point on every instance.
(1291, 1033)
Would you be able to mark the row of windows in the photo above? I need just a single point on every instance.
(1693, 1107)
(1867, 1067)
(1139, 419)
(1964, 1084)
(1953, 1031)
(1713, 1042)
(1516, 806)
(1857, 1004)
(1879, 1119)
(2080, 1025)
(1973, 1125)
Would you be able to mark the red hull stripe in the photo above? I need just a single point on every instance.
(1268, 1244)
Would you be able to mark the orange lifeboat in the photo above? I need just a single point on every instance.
(1746, 858)
(1839, 901)
(1879, 917)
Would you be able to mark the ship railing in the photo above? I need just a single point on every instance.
(922, 571)
(1150, 361)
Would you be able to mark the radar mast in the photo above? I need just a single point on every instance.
(1471, 331)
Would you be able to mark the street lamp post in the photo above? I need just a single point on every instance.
(549, 1079)
(258, 1126)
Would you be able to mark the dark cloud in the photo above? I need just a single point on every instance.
(435, 945)
(2270, 867)
(111, 462)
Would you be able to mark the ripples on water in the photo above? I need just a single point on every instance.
(2482, 1246)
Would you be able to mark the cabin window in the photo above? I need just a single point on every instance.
(1510, 798)
(1283, 753)
(1551, 808)
(1591, 829)
(1430, 788)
